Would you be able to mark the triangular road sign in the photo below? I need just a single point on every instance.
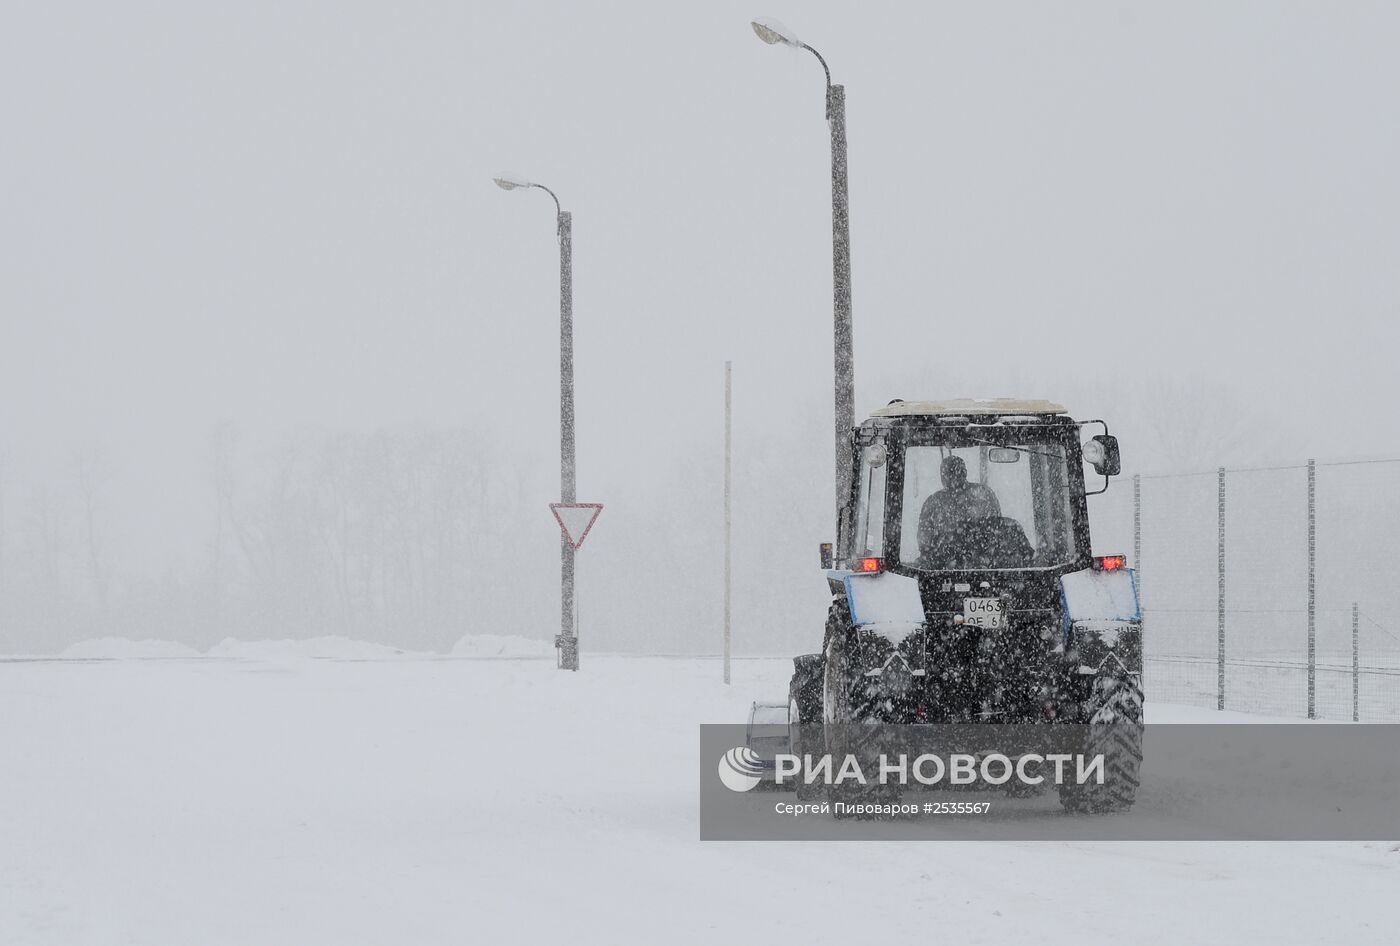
(576, 519)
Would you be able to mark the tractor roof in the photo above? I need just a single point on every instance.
(969, 407)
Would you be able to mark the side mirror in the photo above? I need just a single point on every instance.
(1101, 453)
(827, 560)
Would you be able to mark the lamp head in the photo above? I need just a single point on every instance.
(773, 33)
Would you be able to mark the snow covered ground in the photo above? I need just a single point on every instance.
(279, 798)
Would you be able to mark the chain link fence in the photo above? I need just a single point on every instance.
(1267, 589)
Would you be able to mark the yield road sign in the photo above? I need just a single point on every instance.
(576, 519)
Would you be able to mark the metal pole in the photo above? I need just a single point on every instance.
(728, 434)
(1137, 530)
(568, 480)
(841, 298)
(1312, 589)
(1355, 663)
(1220, 593)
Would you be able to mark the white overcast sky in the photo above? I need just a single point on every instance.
(281, 214)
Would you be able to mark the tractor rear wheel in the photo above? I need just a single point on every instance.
(849, 721)
(1114, 730)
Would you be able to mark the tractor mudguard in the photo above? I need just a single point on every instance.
(886, 603)
(1101, 616)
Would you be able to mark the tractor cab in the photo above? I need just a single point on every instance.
(986, 494)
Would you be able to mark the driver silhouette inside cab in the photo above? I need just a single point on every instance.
(958, 502)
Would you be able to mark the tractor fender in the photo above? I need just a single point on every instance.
(1101, 619)
(1104, 601)
(883, 599)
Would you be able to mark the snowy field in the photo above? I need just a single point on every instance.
(273, 794)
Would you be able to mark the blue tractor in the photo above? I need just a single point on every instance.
(964, 591)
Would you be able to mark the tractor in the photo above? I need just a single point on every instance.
(965, 593)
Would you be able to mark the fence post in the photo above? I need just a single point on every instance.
(1137, 530)
(1220, 597)
(1355, 663)
(1312, 589)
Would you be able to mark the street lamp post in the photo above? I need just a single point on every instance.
(567, 641)
(773, 32)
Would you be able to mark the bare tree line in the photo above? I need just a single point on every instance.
(389, 536)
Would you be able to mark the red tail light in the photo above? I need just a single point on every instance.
(1111, 563)
(869, 565)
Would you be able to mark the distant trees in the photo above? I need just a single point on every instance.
(401, 537)
(396, 536)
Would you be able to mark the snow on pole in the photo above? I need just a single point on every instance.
(568, 474)
(568, 477)
(841, 292)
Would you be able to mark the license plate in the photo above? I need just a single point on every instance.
(989, 613)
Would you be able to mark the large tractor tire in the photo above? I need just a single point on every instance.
(850, 721)
(1114, 729)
